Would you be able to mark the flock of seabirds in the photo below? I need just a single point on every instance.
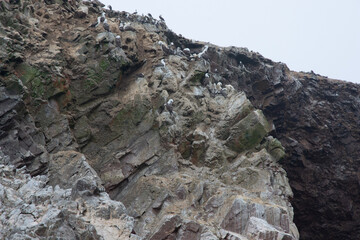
(214, 88)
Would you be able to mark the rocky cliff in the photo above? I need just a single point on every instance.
(118, 128)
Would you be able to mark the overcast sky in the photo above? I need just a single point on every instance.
(318, 35)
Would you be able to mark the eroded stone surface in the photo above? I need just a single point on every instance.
(31, 209)
(89, 116)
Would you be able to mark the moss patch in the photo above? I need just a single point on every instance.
(274, 147)
(34, 79)
(249, 132)
(197, 78)
(95, 75)
(130, 116)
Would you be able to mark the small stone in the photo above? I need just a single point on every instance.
(82, 11)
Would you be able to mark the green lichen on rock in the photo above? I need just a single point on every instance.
(197, 78)
(274, 147)
(96, 74)
(34, 79)
(249, 132)
(124, 65)
(131, 116)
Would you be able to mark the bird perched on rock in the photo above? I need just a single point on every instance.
(241, 65)
(135, 12)
(163, 63)
(224, 92)
(161, 18)
(106, 26)
(218, 87)
(203, 51)
(206, 81)
(165, 48)
(118, 41)
(100, 19)
(169, 106)
(187, 52)
(95, 24)
(127, 27)
(229, 88)
(212, 89)
(121, 26)
(110, 7)
(172, 46)
(179, 52)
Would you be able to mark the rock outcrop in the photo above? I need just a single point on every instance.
(32, 209)
(316, 120)
(92, 148)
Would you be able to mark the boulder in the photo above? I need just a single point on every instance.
(67, 168)
(82, 11)
(248, 132)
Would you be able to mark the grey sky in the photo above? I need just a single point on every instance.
(318, 35)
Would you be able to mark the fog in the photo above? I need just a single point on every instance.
(323, 36)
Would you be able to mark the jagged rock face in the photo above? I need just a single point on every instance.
(322, 140)
(316, 120)
(90, 113)
(93, 116)
(31, 209)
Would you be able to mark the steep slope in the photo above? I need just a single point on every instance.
(88, 116)
(202, 167)
(316, 120)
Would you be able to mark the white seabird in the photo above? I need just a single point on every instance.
(102, 18)
(212, 89)
(128, 27)
(106, 26)
(118, 41)
(121, 26)
(229, 89)
(187, 52)
(224, 92)
(164, 64)
(218, 87)
(241, 65)
(179, 52)
(203, 51)
(95, 24)
(169, 105)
